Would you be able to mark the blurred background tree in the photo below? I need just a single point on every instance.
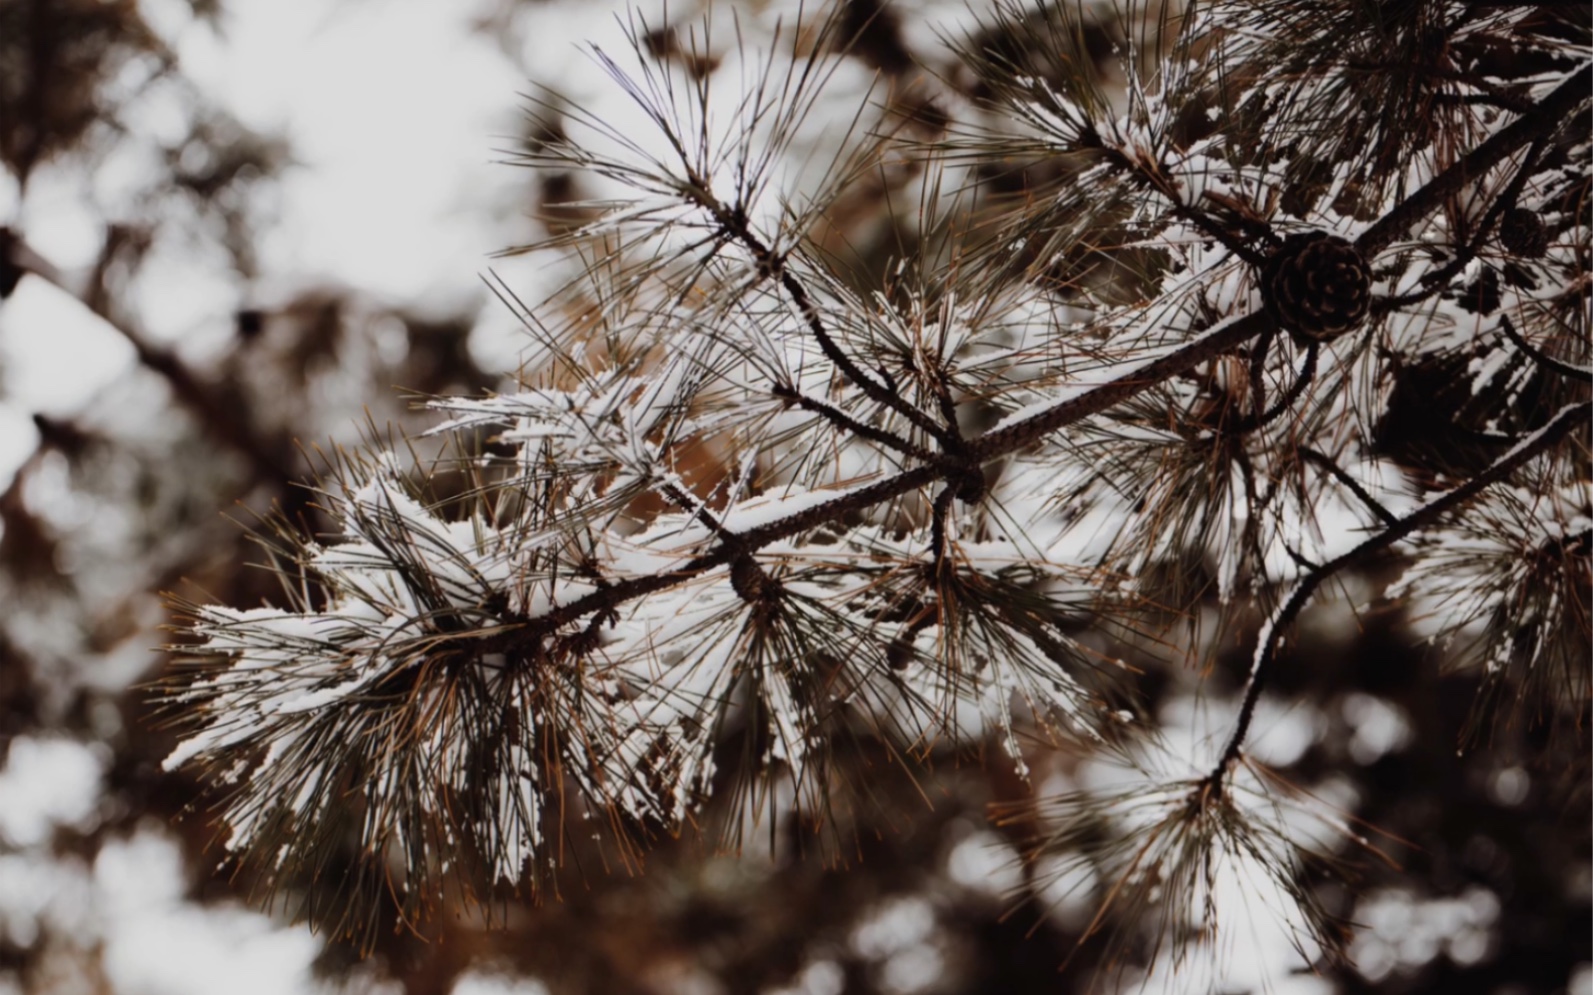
(184, 333)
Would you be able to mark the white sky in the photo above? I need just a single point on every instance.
(395, 111)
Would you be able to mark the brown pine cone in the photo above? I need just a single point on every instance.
(1316, 286)
(1521, 232)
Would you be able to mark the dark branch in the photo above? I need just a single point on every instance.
(1086, 401)
(1354, 486)
(1094, 400)
(1440, 277)
(689, 503)
(937, 526)
(635, 587)
(1258, 363)
(841, 419)
(1284, 403)
(1548, 113)
(1569, 418)
(1540, 357)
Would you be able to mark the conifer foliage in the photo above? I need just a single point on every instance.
(1152, 317)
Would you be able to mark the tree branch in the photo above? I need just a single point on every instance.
(1081, 403)
(937, 526)
(841, 419)
(625, 590)
(1548, 113)
(1440, 277)
(1354, 486)
(1163, 184)
(1087, 401)
(1540, 357)
(1569, 418)
(734, 222)
(1092, 400)
(1261, 419)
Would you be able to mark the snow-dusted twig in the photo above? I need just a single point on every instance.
(1545, 115)
(1565, 421)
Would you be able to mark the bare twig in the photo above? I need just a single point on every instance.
(1542, 358)
(1354, 486)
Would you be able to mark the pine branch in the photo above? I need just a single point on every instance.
(735, 224)
(991, 446)
(1544, 117)
(1354, 486)
(1581, 374)
(841, 419)
(1137, 377)
(1261, 419)
(612, 649)
(1438, 279)
(1153, 177)
(1563, 423)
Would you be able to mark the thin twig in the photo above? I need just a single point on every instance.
(1326, 462)
(735, 225)
(1254, 421)
(937, 526)
(1258, 362)
(1440, 277)
(1569, 418)
(841, 419)
(1158, 181)
(689, 503)
(1542, 358)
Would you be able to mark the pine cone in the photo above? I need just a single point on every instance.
(1316, 286)
(1521, 232)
